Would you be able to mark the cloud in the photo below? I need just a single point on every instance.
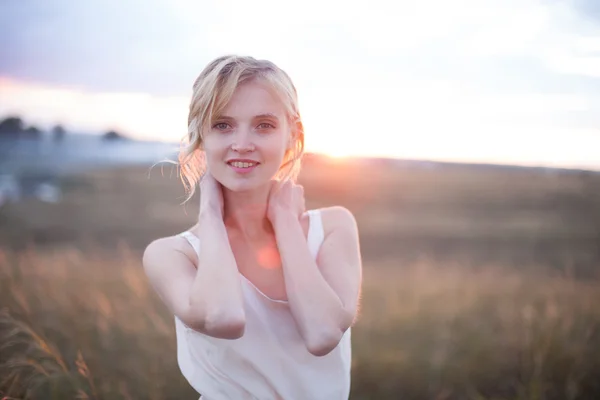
(160, 46)
(123, 46)
(477, 65)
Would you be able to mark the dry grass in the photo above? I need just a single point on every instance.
(448, 332)
(71, 323)
(73, 327)
(459, 302)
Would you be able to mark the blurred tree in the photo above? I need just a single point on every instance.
(112, 135)
(11, 125)
(14, 126)
(31, 132)
(58, 133)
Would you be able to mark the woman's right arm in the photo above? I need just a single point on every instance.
(216, 291)
(207, 298)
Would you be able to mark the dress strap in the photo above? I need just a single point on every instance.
(193, 240)
(316, 233)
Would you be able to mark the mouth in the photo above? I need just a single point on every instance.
(242, 166)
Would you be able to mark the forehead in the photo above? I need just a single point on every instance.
(254, 98)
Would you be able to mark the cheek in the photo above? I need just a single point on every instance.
(276, 150)
(277, 146)
(214, 146)
(213, 156)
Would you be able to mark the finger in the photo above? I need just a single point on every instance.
(208, 182)
(209, 178)
(300, 196)
(274, 188)
(289, 189)
(280, 187)
(297, 188)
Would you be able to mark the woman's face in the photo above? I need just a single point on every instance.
(245, 145)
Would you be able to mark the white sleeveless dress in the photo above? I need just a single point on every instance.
(271, 360)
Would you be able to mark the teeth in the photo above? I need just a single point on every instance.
(239, 164)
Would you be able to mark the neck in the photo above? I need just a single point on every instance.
(246, 212)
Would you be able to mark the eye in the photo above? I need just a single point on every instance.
(221, 126)
(266, 125)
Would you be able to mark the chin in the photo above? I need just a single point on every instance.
(244, 185)
(238, 186)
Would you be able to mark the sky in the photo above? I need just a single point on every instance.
(503, 81)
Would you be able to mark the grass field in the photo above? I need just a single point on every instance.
(479, 283)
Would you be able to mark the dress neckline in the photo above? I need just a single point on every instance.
(260, 292)
(311, 224)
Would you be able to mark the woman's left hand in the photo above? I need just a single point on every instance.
(285, 198)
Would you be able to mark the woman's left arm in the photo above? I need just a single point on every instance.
(323, 295)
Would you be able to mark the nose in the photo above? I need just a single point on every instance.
(242, 141)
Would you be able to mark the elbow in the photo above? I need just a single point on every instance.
(221, 325)
(232, 327)
(325, 342)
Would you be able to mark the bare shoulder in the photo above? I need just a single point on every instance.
(166, 248)
(339, 258)
(338, 218)
(170, 264)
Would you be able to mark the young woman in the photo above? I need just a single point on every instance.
(264, 293)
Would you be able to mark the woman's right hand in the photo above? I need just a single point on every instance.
(211, 195)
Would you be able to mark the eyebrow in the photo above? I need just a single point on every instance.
(267, 115)
(259, 116)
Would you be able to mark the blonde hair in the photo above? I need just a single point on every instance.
(213, 89)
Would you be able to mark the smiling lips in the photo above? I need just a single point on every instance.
(242, 166)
